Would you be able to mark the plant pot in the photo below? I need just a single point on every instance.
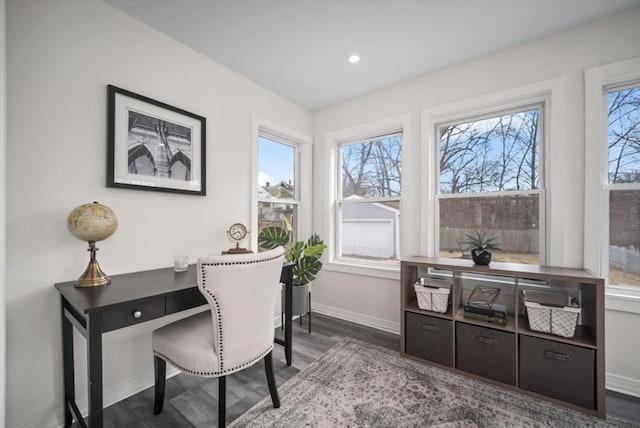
(481, 257)
(299, 299)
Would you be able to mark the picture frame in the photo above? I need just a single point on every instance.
(154, 146)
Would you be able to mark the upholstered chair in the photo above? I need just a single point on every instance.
(234, 334)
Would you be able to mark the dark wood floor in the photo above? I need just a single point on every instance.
(191, 401)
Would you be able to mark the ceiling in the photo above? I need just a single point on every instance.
(299, 48)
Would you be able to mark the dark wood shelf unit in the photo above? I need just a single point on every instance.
(529, 360)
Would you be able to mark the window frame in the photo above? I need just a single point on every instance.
(537, 103)
(341, 201)
(333, 142)
(599, 81)
(484, 106)
(302, 145)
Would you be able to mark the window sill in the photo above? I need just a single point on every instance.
(377, 271)
(624, 299)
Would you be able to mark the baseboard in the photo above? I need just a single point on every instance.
(112, 395)
(380, 324)
(623, 385)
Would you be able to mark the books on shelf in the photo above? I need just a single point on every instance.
(486, 318)
(495, 313)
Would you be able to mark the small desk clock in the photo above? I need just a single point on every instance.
(237, 232)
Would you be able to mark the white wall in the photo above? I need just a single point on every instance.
(562, 58)
(60, 57)
(3, 210)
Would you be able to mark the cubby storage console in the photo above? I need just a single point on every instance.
(551, 358)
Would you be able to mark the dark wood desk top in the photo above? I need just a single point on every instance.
(128, 287)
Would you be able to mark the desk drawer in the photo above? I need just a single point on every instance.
(131, 313)
(183, 300)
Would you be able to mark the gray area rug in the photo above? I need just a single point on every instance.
(356, 384)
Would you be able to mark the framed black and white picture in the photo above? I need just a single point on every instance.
(154, 146)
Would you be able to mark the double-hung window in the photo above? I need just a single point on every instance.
(281, 179)
(277, 191)
(612, 180)
(623, 184)
(364, 196)
(368, 198)
(489, 179)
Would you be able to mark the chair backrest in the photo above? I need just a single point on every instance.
(242, 290)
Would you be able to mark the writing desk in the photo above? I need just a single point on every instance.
(130, 299)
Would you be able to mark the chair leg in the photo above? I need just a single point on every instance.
(160, 371)
(222, 400)
(309, 298)
(271, 380)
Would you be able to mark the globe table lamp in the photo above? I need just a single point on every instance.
(92, 222)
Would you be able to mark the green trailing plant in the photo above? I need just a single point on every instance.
(304, 254)
(481, 243)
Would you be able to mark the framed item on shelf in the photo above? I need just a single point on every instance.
(154, 146)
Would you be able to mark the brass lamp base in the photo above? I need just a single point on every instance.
(93, 275)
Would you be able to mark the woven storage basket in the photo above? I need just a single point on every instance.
(432, 299)
(560, 321)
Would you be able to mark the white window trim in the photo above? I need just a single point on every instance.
(536, 93)
(596, 231)
(389, 270)
(303, 145)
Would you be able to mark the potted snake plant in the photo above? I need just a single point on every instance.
(305, 255)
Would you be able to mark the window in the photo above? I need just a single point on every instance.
(282, 178)
(623, 184)
(368, 199)
(612, 188)
(365, 197)
(490, 179)
(277, 193)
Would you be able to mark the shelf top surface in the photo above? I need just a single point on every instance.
(500, 268)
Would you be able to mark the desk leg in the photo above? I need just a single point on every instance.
(68, 373)
(94, 369)
(288, 317)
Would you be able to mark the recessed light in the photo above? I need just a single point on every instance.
(354, 58)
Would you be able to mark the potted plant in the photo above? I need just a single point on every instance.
(480, 245)
(306, 258)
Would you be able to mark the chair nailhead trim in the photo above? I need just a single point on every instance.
(247, 262)
(216, 373)
(216, 306)
(218, 324)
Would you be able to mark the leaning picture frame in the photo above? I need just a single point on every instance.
(154, 146)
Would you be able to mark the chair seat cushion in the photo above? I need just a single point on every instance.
(187, 344)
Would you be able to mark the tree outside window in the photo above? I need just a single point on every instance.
(490, 181)
(623, 148)
(369, 198)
